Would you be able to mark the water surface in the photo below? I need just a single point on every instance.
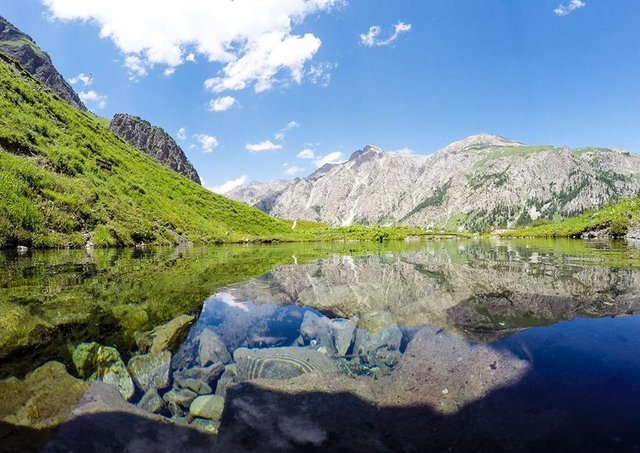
(556, 321)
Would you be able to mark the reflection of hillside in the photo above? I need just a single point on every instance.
(471, 288)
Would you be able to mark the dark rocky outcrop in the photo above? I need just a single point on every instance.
(21, 48)
(153, 141)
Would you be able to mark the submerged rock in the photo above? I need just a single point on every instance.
(44, 399)
(228, 378)
(280, 363)
(196, 385)
(381, 349)
(84, 358)
(179, 400)
(151, 371)
(112, 370)
(208, 375)
(165, 337)
(209, 407)
(104, 422)
(343, 331)
(211, 349)
(151, 402)
(335, 335)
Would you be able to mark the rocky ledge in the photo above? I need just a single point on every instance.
(153, 141)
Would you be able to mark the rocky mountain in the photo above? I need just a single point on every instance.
(21, 48)
(153, 141)
(479, 183)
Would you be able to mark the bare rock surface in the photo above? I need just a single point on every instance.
(153, 141)
(482, 181)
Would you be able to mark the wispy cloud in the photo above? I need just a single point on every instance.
(91, 97)
(293, 170)
(331, 158)
(182, 133)
(228, 186)
(222, 103)
(266, 145)
(85, 79)
(372, 37)
(565, 10)
(306, 154)
(207, 142)
(283, 132)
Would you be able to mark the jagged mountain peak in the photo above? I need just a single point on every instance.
(367, 150)
(22, 48)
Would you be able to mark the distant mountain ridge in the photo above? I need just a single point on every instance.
(21, 48)
(481, 182)
(154, 142)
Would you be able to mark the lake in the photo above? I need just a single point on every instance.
(453, 345)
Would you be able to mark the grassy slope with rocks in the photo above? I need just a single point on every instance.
(54, 194)
(615, 219)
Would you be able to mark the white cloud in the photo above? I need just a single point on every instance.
(207, 142)
(228, 186)
(405, 150)
(136, 66)
(294, 170)
(222, 103)
(371, 38)
(283, 132)
(320, 74)
(252, 40)
(93, 98)
(182, 133)
(564, 10)
(331, 158)
(169, 71)
(306, 154)
(266, 145)
(86, 79)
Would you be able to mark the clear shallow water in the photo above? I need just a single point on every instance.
(555, 320)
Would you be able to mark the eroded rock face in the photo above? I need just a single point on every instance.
(21, 48)
(153, 141)
(481, 181)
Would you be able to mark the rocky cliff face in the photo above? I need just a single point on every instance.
(153, 141)
(481, 182)
(21, 48)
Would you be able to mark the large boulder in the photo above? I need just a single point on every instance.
(151, 371)
(280, 363)
(209, 407)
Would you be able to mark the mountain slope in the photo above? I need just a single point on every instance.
(153, 141)
(20, 47)
(479, 183)
(56, 187)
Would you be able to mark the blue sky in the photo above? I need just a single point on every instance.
(538, 71)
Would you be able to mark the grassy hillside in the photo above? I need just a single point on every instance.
(615, 218)
(53, 192)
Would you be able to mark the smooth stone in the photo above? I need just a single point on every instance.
(112, 370)
(280, 363)
(22, 249)
(165, 337)
(228, 378)
(211, 349)
(151, 402)
(197, 386)
(84, 358)
(151, 371)
(208, 375)
(44, 399)
(179, 400)
(207, 406)
(343, 331)
(206, 426)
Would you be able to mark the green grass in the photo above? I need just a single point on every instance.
(23, 41)
(615, 218)
(53, 194)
